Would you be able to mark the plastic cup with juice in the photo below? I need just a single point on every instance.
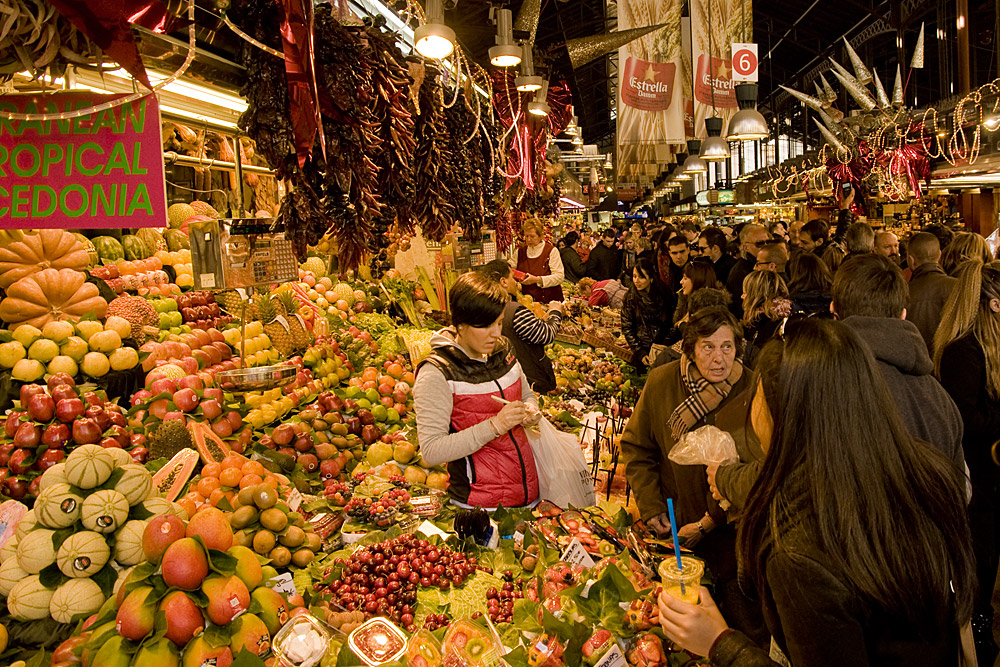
(682, 583)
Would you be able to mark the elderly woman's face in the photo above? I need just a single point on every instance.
(714, 355)
(531, 237)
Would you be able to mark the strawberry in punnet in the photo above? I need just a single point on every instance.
(595, 647)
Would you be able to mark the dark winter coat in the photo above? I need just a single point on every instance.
(573, 266)
(813, 302)
(929, 289)
(644, 320)
(604, 263)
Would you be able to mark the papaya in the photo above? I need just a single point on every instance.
(171, 479)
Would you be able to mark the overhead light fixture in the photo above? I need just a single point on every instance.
(528, 81)
(694, 164)
(578, 140)
(715, 148)
(747, 123)
(992, 122)
(506, 53)
(608, 164)
(539, 107)
(434, 39)
(679, 173)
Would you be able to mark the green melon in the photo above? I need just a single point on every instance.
(135, 483)
(9, 550)
(89, 466)
(134, 247)
(128, 543)
(109, 249)
(10, 574)
(53, 475)
(157, 506)
(75, 598)
(120, 456)
(178, 213)
(35, 551)
(29, 600)
(104, 511)
(152, 238)
(27, 523)
(83, 554)
(58, 507)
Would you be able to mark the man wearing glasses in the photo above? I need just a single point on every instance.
(773, 257)
(712, 244)
(753, 237)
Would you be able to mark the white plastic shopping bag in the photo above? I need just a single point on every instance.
(563, 475)
(708, 445)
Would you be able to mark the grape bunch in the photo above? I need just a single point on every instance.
(382, 579)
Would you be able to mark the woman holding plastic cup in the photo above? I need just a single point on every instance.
(855, 535)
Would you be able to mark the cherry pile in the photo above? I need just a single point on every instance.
(500, 604)
(380, 512)
(382, 579)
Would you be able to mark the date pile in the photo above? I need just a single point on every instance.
(382, 579)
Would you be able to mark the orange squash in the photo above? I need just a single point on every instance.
(47, 249)
(51, 294)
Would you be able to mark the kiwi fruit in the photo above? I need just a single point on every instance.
(244, 538)
(245, 496)
(302, 557)
(313, 541)
(280, 557)
(243, 517)
(264, 496)
(274, 520)
(294, 537)
(264, 541)
(296, 519)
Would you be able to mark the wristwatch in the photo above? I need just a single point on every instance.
(701, 529)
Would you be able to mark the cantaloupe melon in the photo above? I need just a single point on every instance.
(53, 475)
(89, 466)
(10, 574)
(9, 549)
(35, 551)
(26, 524)
(128, 543)
(29, 600)
(120, 456)
(83, 554)
(76, 597)
(157, 506)
(58, 506)
(135, 483)
(104, 511)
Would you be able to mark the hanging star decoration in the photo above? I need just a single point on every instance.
(882, 149)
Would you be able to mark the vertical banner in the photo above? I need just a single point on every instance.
(100, 170)
(650, 93)
(713, 71)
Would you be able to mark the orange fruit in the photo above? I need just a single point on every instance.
(231, 476)
(254, 468)
(408, 378)
(206, 485)
(369, 374)
(216, 496)
(395, 370)
(189, 506)
(271, 481)
(194, 496)
(250, 480)
(211, 470)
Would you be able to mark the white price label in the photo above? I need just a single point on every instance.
(745, 63)
(283, 584)
(294, 500)
(207, 280)
(613, 658)
(429, 529)
(576, 554)
(518, 539)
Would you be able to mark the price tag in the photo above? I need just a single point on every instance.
(207, 280)
(576, 554)
(429, 529)
(518, 539)
(613, 658)
(283, 584)
(745, 63)
(294, 500)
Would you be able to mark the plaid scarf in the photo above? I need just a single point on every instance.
(703, 398)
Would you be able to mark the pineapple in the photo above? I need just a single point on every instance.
(300, 337)
(276, 331)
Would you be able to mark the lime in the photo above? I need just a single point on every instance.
(392, 415)
(364, 404)
(353, 391)
(373, 395)
(380, 413)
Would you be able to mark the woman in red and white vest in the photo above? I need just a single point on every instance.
(541, 263)
(459, 419)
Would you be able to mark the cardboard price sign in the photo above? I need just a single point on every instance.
(101, 170)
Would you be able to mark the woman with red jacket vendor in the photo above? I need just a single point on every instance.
(473, 402)
(540, 262)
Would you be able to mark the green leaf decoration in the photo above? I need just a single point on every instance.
(106, 578)
(51, 576)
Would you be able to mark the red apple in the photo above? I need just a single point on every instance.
(13, 420)
(86, 431)
(189, 364)
(141, 396)
(119, 434)
(174, 414)
(49, 458)
(163, 385)
(93, 398)
(211, 409)
(159, 408)
(137, 440)
(20, 461)
(152, 377)
(15, 488)
(309, 462)
(29, 390)
(55, 436)
(63, 391)
(303, 443)
(235, 420)
(118, 419)
(191, 382)
(288, 451)
(216, 393)
(186, 399)
(370, 433)
(222, 428)
(57, 379)
(5, 451)
(100, 416)
(224, 350)
(28, 435)
(139, 454)
(109, 443)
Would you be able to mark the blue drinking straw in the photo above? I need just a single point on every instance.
(673, 531)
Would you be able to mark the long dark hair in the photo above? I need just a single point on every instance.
(702, 273)
(808, 273)
(887, 512)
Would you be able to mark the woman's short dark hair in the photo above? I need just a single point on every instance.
(570, 239)
(496, 270)
(808, 273)
(477, 300)
(701, 272)
(705, 323)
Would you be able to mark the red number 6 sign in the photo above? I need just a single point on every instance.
(744, 62)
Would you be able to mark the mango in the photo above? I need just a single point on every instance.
(160, 653)
(184, 619)
(274, 611)
(136, 615)
(212, 526)
(251, 634)
(248, 568)
(185, 564)
(111, 654)
(198, 652)
(227, 597)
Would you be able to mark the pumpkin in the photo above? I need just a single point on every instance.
(47, 249)
(52, 294)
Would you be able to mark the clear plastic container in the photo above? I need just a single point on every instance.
(470, 644)
(682, 583)
(423, 650)
(377, 642)
(301, 642)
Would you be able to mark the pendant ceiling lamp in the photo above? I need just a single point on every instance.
(434, 39)
(694, 164)
(715, 148)
(539, 107)
(506, 53)
(528, 81)
(748, 123)
(679, 173)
